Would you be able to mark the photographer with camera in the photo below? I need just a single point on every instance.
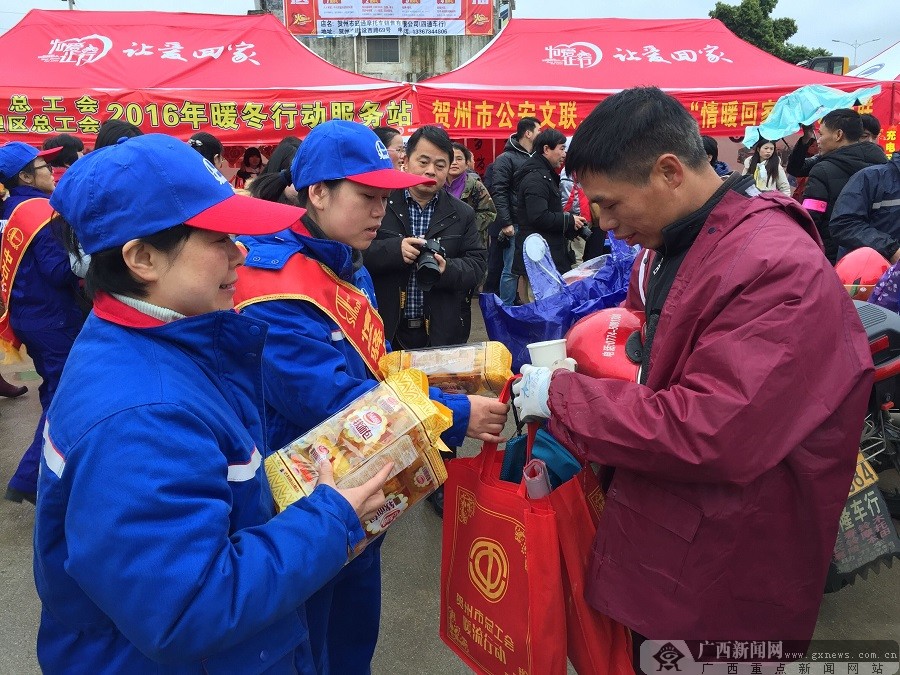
(539, 206)
(427, 255)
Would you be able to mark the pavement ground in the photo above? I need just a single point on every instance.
(409, 642)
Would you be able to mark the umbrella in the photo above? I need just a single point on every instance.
(804, 106)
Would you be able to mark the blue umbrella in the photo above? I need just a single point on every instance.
(804, 106)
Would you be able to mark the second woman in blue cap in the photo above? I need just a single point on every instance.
(325, 338)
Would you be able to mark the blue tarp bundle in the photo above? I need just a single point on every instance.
(552, 317)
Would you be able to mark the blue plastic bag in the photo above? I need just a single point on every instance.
(561, 464)
(552, 317)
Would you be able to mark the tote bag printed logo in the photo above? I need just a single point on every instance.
(489, 569)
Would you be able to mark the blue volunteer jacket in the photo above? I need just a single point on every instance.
(44, 293)
(157, 547)
(867, 212)
(311, 372)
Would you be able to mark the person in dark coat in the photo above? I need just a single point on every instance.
(733, 451)
(867, 212)
(414, 317)
(841, 154)
(538, 204)
(502, 232)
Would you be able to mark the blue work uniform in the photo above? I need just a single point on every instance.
(156, 544)
(45, 315)
(311, 372)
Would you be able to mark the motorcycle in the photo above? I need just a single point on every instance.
(867, 537)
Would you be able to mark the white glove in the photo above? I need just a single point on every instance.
(531, 393)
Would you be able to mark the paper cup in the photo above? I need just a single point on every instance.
(545, 354)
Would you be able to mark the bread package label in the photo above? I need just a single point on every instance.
(481, 368)
(394, 422)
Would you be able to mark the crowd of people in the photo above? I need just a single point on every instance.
(138, 253)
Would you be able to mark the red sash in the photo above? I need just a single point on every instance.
(305, 279)
(26, 221)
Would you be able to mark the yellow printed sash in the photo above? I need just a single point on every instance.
(305, 279)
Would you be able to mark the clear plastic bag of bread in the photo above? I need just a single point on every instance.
(481, 368)
(394, 422)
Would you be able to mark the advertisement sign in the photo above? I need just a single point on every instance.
(389, 17)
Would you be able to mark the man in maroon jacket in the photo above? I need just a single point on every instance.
(734, 452)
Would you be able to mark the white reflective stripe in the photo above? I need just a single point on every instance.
(885, 204)
(55, 461)
(641, 273)
(238, 473)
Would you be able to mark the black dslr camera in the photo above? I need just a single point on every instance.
(584, 232)
(427, 270)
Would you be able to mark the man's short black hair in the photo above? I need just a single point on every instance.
(434, 135)
(711, 146)
(525, 125)
(549, 137)
(871, 125)
(70, 145)
(625, 135)
(847, 120)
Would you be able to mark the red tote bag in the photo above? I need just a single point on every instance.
(596, 644)
(502, 608)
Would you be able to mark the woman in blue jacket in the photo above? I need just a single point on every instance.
(156, 545)
(44, 312)
(322, 354)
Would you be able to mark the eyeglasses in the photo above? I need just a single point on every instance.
(42, 166)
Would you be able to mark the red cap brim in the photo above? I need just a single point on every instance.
(390, 179)
(246, 215)
(52, 152)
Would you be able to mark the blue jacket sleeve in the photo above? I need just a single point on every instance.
(851, 220)
(459, 405)
(308, 378)
(52, 260)
(155, 553)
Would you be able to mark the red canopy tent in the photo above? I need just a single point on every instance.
(242, 78)
(558, 69)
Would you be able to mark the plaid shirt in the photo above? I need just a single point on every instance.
(419, 220)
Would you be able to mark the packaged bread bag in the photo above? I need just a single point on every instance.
(481, 368)
(394, 422)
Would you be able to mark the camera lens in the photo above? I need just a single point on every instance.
(585, 232)
(427, 269)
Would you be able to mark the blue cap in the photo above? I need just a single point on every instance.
(15, 156)
(337, 150)
(146, 184)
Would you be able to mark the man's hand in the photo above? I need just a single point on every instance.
(487, 417)
(409, 249)
(531, 393)
(509, 230)
(441, 261)
(365, 499)
(580, 221)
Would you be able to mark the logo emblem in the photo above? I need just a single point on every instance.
(214, 172)
(668, 657)
(381, 150)
(576, 54)
(489, 568)
(15, 237)
(80, 51)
